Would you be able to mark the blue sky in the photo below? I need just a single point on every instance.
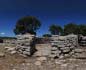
(49, 12)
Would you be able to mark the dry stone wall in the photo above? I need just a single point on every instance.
(59, 47)
(63, 46)
(25, 44)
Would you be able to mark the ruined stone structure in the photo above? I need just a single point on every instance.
(60, 46)
(63, 46)
(25, 44)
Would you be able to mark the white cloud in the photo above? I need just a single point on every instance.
(2, 33)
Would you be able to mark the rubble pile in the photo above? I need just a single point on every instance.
(25, 44)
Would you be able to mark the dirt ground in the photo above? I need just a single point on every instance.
(16, 62)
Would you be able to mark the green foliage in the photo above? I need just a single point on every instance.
(27, 24)
(7, 37)
(31, 24)
(75, 29)
(46, 35)
(82, 29)
(70, 28)
(55, 29)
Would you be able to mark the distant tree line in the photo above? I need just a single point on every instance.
(31, 24)
(75, 29)
(7, 37)
(70, 28)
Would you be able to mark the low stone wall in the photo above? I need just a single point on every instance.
(25, 44)
(59, 47)
(64, 46)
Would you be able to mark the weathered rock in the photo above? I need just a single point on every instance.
(64, 65)
(58, 62)
(11, 49)
(38, 63)
(78, 50)
(80, 56)
(61, 56)
(54, 48)
(26, 53)
(41, 58)
(66, 55)
(66, 51)
(7, 48)
(72, 52)
(12, 52)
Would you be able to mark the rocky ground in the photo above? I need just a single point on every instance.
(16, 62)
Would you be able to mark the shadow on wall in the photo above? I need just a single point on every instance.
(1, 41)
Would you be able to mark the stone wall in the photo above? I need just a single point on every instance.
(25, 44)
(63, 46)
(59, 47)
